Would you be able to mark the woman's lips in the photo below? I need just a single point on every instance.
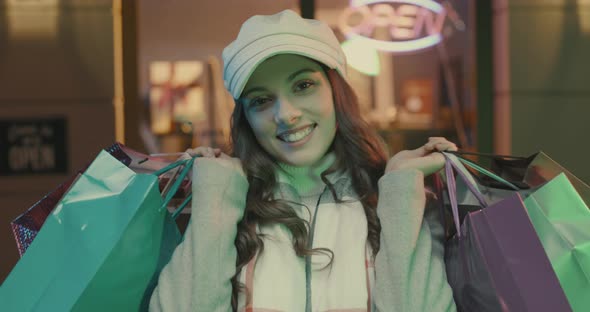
(291, 136)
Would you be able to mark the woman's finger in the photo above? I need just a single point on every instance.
(203, 151)
(453, 147)
(445, 146)
(439, 144)
(224, 155)
(195, 151)
(431, 145)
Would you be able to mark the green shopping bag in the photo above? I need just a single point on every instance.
(562, 222)
(102, 247)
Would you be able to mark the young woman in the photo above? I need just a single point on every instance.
(309, 214)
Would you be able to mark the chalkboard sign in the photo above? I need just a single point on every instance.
(33, 146)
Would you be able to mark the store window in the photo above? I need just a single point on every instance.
(411, 63)
(180, 69)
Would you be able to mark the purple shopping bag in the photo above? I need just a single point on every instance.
(495, 261)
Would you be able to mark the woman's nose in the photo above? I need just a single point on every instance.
(286, 112)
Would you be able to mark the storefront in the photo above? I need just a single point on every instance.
(76, 76)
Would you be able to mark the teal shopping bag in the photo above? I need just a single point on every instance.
(102, 247)
(561, 219)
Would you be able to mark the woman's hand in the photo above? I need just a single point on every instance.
(223, 159)
(425, 158)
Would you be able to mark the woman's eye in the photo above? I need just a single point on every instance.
(259, 101)
(304, 85)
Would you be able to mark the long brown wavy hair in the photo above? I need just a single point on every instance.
(357, 147)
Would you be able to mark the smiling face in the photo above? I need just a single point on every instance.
(289, 106)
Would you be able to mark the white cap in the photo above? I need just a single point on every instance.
(263, 36)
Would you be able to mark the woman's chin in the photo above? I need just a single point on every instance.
(301, 161)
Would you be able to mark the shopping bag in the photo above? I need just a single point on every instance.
(495, 261)
(26, 226)
(542, 169)
(142, 163)
(102, 246)
(561, 219)
(528, 172)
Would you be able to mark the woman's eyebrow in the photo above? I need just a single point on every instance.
(290, 78)
(299, 72)
(245, 94)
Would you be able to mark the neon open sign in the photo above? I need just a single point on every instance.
(411, 24)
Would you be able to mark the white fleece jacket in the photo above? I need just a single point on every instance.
(409, 268)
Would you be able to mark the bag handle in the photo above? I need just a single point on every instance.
(171, 166)
(459, 153)
(452, 190)
(451, 164)
(487, 173)
(463, 174)
(188, 164)
(180, 208)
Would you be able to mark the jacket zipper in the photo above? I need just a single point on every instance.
(308, 258)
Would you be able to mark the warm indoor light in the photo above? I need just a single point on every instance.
(361, 57)
(32, 19)
(584, 21)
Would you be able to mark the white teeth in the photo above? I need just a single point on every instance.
(294, 137)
